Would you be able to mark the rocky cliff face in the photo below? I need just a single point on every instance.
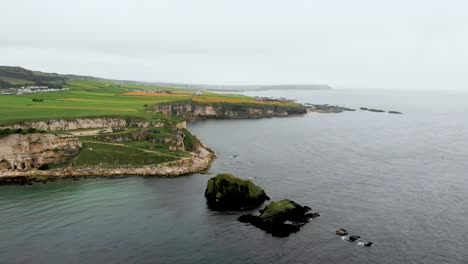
(192, 110)
(20, 152)
(84, 123)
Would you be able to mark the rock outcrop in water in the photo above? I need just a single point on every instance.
(353, 238)
(376, 110)
(280, 218)
(341, 232)
(228, 192)
(324, 109)
(379, 110)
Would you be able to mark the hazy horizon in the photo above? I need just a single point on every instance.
(360, 44)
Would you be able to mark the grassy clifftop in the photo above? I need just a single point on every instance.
(97, 98)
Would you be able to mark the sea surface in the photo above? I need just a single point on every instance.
(400, 181)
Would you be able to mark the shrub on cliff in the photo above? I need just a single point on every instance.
(7, 131)
(190, 141)
(44, 167)
(228, 192)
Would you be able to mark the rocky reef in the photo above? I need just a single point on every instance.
(228, 192)
(379, 110)
(372, 110)
(325, 108)
(190, 110)
(22, 152)
(353, 238)
(280, 218)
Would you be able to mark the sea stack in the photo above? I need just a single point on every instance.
(228, 192)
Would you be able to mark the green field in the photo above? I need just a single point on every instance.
(95, 98)
(118, 155)
(75, 103)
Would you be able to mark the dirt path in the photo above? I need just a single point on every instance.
(144, 150)
(85, 132)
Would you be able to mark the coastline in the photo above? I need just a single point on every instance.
(199, 162)
(200, 158)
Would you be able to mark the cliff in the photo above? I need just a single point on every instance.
(20, 152)
(84, 123)
(190, 110)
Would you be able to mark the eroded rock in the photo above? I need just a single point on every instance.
(341, 232)
(280, 218)
(228, 192)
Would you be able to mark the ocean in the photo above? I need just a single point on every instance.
(399, 181)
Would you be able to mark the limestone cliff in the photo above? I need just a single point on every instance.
(84, 123)
(29, 151)
(190, 110)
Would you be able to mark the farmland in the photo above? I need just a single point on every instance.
(99, 98)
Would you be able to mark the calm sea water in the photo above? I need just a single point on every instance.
(399, 181)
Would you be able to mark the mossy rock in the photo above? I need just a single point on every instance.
(286, 210)
(228, 192)
(280, 218)
(279, 209)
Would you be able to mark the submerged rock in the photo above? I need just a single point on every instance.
(228, 192)
(372, 110)
(341, 232)
(376, 110)
(280, 218)
(353, 238)
(344, 236)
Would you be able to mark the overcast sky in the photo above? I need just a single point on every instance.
(344, 43)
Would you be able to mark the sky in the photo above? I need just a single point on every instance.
(375, 44)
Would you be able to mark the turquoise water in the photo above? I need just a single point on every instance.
(396, 180)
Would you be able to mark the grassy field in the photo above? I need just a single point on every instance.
(99, 98)
(76, 103)
(118, 155)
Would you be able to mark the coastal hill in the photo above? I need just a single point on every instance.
(245, 88)
(17, 76)
(12, 76)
